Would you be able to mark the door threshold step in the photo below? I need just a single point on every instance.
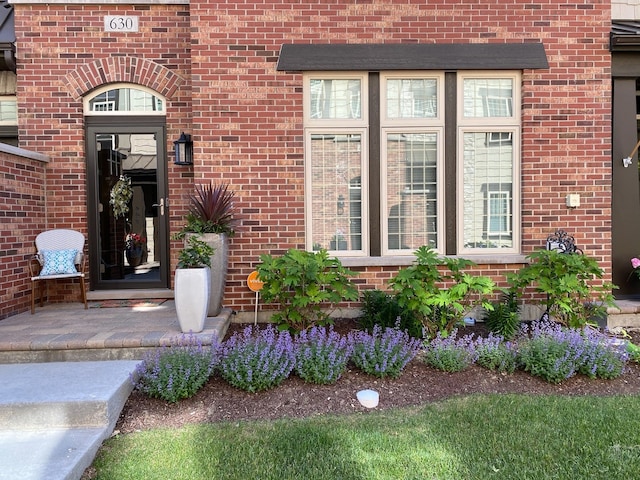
(126, 294)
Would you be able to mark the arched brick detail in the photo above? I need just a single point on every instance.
(122, 70)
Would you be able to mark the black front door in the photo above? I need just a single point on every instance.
(128, 218)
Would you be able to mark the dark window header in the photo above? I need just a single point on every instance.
(433, 56)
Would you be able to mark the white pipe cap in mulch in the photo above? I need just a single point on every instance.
(368, 398)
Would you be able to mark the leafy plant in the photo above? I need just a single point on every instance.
(449, 353)
(380, 308)
(176, 372)
(496, 354)
(438, 292)
(257, 358)
(504, 318)
(384, 353)
(321, 354)
(212, 211)
(120, 196)
(568, 283)
(634, 352)
(302, 283)
(196, 254)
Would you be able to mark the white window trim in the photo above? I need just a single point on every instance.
(515, 192)
(384, 205)
(516, 80)
(364, 185)
(114, 86)
(363, 121)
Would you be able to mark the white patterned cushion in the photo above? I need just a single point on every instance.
(58, 262)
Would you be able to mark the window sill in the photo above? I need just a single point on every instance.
(405, 260)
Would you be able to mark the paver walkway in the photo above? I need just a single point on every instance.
(64, 378)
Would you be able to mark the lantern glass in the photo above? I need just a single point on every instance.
(184, 150)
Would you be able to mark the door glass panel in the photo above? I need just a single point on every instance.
(128, 209)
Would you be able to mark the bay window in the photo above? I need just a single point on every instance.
(396, 160)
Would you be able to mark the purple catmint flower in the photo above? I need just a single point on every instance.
(257, 358)
(384, 353)
(176, 372)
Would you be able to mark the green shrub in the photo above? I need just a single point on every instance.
(569, 283)
(176, 372)
(380, 308)
(438, 292)
(634, 352)
(302, 283)
(504, 319)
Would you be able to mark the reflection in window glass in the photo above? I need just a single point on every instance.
(499, 209)
(336, 169)
(125, 100)
(488, 176)
(411, 98)
(488, 97)
(8, 111)
(411, 178)
(335, 98)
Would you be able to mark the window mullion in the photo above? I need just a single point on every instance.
(375, 215)
(450, 162)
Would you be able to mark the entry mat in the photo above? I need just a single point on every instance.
(133, 302)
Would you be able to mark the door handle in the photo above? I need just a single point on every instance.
(161, 205)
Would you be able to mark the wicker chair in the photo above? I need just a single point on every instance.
(60, 256)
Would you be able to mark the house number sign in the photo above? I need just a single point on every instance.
(120, 23)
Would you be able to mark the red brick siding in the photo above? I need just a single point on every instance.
(65, 54)
(22, 217)
(250, 122)
(246, 117)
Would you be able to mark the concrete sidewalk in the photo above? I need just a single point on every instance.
(55, 416)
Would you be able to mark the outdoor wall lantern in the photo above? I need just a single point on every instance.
(184, 150)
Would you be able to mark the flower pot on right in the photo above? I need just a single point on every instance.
(219, 265)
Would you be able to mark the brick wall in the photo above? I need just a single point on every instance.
(22, 217)
(250, 121)
(64, 54)
(246, 117)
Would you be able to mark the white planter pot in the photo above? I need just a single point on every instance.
(192, 297)
(219, 265)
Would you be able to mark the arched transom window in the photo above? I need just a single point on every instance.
(124, 100)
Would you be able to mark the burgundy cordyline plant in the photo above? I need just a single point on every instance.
(322, 354)
(257, 358)
(384, 353)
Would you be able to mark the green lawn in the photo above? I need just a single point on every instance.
(476, 437)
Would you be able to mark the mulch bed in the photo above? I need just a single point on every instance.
(418, 384)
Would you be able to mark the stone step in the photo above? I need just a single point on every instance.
(63, 394)
(54, 416)
(625, 315)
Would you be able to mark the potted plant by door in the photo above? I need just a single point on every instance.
(192, 284)
(212, 217)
